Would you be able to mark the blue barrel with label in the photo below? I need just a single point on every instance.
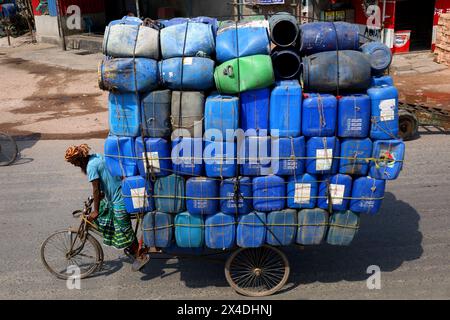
(251, 230)
(155, 114)
(187, 156)
(137, 195)
(198, 73)
(169, 194)
(128, 75)
(312, 226)
(154, 157)
(254, 112)
(389, 155)
(354, 116)
(236, 195)
(288, 156)
(286, 109)
(343, 227)
(252, 38)
(269, 193)
(222, 116)
(337, 188)
(321, 153)
(379, 54)
(189, 230)
(384, 102)
(354, 156)
(220, 231)
(302, 191)
(120, 156)
(281, 227)
(255, 155)
(157, 229)
(367, 195)
(319, 115)
(202, 195)
(328, 36)
(187, 40)
(220, 159)
(124, 115)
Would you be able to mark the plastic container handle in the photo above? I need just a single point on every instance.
(228, 71)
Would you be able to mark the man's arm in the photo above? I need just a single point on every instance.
(96, 195)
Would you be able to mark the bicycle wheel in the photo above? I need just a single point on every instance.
(257, 272)
(57, 256)
(8, 150)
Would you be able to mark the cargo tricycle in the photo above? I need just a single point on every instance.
(254, 272)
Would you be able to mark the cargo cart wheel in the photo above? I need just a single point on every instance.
(257, 272)
(408, 125)
(87, 255)
(8, 150)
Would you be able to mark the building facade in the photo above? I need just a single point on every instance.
(383, 20)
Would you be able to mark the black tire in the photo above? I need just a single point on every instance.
(8, 150)
(62, 247)
(408, 125)
(257, 272)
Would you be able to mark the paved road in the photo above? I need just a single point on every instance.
(409, 240)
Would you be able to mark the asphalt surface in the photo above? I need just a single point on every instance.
(409, 240)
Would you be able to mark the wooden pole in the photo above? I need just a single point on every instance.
(60, 26)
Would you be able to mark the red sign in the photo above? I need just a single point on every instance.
(442, 6)
(365, 9)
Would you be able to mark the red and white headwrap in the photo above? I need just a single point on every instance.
(75, 153)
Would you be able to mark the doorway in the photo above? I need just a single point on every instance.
(417, 17)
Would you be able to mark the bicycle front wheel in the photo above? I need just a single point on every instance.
(85, 257)
(8, 150)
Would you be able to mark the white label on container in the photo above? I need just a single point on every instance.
(187, 61)
(290, 164)
(354, 124)
(200, 204)
(170, 74)
(387, 110)
(337, 193)
(324, 159)
(153, 161)
(139, 198)
(302, 193)
(231, 202)
(388, 158)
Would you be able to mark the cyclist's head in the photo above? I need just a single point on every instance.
(78, 156)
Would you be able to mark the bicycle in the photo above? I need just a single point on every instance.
(72, 246)
(254, 272)
(8, 149)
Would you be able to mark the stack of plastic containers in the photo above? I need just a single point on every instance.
(350, 121)
(220, 145)
(128, 71)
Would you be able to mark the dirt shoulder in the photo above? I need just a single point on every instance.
(430, 89)
(40, 98)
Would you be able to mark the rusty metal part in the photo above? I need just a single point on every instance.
(428, 116)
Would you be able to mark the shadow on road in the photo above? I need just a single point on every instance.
(25, 142)
(108, 268)
(386, 240)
